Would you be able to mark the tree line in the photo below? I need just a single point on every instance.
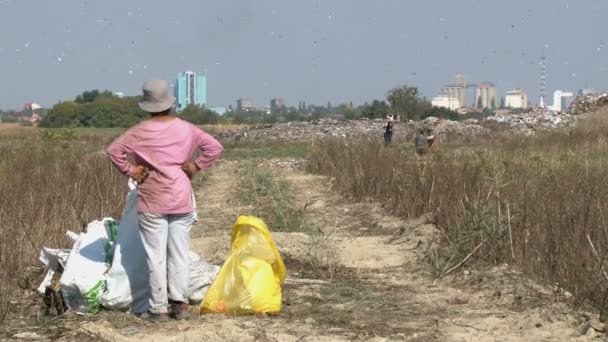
(94, 108)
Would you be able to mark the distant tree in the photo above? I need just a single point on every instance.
(487, 112)
(92, 95)
(404, 101)
(502, 102)
(493, 104)
(63, 114)
(102, 112)
(329, 108)
(479, 103)
(199, 116)
(377, 109)
(5, 118)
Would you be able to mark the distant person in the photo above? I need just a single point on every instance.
(162, 148)
(421, 142)
(388, 131)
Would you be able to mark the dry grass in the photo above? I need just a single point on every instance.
(47, 187)
(536, 202)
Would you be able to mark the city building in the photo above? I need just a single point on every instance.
(276, 104)
(561, 100)
(485, 96)
(119, 94)
(457, 90)
(31, 106)
(244, 105)
(219, 110)
(190, 89)
(516, 99)
(445, 101)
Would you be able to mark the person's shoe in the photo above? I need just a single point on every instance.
(180, 311)
(155, 317)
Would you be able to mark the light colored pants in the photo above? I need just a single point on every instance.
(166, 241)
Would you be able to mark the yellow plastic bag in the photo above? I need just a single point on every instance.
(251, 278)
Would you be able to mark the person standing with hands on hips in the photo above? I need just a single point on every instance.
(162, 148)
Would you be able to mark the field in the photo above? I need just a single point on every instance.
(496, 240)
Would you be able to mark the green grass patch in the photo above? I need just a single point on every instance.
(274, 150)
(270, 199)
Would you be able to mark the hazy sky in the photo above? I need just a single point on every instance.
(312, 50)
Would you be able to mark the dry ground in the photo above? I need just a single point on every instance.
(359, 274)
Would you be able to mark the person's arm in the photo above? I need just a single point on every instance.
(211, 150)
(118, 151)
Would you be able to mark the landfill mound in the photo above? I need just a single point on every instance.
(527, 123)
(445, 130)
(537, 119)
(588, 103)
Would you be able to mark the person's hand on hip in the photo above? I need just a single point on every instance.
(139, 174)
(190, 169)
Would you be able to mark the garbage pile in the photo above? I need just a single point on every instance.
(588, 103)
(302, 131)
(446, 130)
(536, 119)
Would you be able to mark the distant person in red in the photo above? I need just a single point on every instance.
(163, 148)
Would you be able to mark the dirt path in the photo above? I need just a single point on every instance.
(360, 274)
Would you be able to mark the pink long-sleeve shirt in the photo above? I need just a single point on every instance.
(163, 147)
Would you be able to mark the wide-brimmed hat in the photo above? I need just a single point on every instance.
(157, 96)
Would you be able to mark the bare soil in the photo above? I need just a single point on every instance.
(359, 274)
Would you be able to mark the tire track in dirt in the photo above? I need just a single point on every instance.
(359, 274)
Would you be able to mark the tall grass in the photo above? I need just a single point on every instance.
(47, 187)
(539, 202)
(270, 198)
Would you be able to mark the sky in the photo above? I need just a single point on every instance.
(301, 50)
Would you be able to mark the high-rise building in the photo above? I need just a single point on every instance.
(457, 90)
(244, 105)
(562, 100)
(516, 99)
(445, 101)
(190, 89)
(485, 96)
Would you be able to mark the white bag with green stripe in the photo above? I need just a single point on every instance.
(83, 282)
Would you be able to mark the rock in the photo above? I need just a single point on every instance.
(27, 336)
(310, 321)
